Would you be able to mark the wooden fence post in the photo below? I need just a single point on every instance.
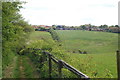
(50, 66)
(118, 64)
(60, 68)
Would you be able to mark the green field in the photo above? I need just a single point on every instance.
(93, 42)
(90, 41)
(102, 65)
(40, 35)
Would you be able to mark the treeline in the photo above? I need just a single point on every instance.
(89, 27)
(54, 35)
(15, 31)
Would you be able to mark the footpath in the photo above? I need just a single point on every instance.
(21, 67)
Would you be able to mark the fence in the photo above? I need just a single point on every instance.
(61, 64)
(118, 63)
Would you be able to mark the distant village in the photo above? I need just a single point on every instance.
(88, 27)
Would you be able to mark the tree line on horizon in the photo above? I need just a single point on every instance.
(89, 27)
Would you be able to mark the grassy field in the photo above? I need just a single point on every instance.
(100, 46)
(40, 35)
(94, 65)
(90, 41)
(102, 65)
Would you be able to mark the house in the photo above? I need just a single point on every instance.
(96, 29)
(114, 29)
(41, 27)
(35, 26)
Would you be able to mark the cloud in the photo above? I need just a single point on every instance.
(71, 12)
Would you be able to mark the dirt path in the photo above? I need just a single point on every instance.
(9, 71)
(21, 67)
(27, 68)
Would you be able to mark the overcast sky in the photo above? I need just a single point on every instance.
(71, 12)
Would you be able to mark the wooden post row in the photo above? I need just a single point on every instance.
(118, 64)
(50, 66)
(60, 68)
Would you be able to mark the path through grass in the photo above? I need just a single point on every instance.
(21, 67)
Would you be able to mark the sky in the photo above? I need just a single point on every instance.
(71, 12)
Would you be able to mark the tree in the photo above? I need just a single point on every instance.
(103, 26)
(83, 27)
(15, 31)
(116, 26)
(111, 26)
(54, 27)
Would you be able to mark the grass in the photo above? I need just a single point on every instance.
(0, 67)
(17, 71)
(37, 35)
(9, 71)
(103, 65)
(101, 47)
(100, 63)
(24, 68)
(90, 41)
(29, 68)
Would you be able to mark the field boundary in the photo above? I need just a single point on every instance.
(61, 64)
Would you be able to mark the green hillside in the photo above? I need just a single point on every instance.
(90, 41)
(93, 65)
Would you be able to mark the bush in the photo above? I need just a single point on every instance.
(54, 35)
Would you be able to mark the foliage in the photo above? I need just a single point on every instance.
(89, 64)
(15, 34)
(54, 35)
(15, 31)
(103, 26)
